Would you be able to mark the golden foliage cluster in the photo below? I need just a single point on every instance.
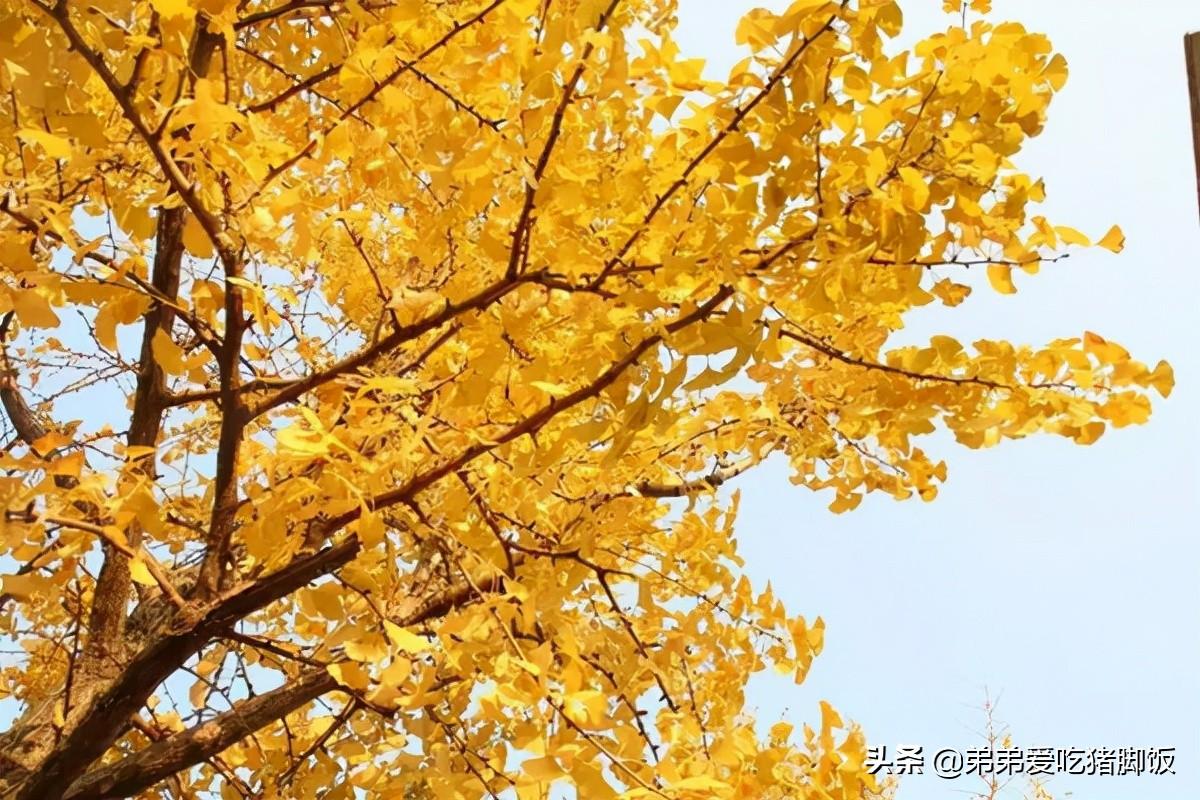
(410, 341)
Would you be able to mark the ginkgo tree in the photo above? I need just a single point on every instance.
(372, 367)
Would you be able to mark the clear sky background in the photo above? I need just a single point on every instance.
(1061, 578)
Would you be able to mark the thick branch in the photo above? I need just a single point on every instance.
(108, 715)
(234, 416)
(160, 760)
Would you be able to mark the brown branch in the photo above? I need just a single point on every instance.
(534, 422)
(384, 294)
(259, 384)
(206, 336)
(173, 172)
(618, 764)
(396, 338)
(109, 713)
(156, 734)
(1191, 44)
(627, 623)
(107, 618)
(25, 422)
(424, 54)
(977, 262)
(838, 355)
(707, 483)
(152, 566)
(271, 103)
(234, 418)
(286, 776)
(458, 103)
(144, 769)
(269, 646)
(113, 586)
(524, 225)
(713, 144)
(354, 107)
(271, 14)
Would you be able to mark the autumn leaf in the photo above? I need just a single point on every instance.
(33, 309)
(1114, 240)
(141, 573)
(405, 640)
(52, 145)
(1000, 276)
(1071, 236)
(168, 354)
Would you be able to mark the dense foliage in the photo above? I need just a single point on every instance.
(407, 343)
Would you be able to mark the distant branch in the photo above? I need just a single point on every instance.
(837, 355)
(707, 483)
(535, 421)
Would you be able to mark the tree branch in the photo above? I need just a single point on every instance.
(838, 355)
(162, 759)
(711, 481)
(733, 124)
(396, 338)
(379, 86)
(107, 716)
(535, 421)
(174, 174)
(524, 226)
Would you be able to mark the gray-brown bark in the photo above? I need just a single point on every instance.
(32, 738)
(162, 759)
(121, 668)
(107, 717)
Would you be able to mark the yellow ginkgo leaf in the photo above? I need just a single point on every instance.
(25, 587)
(448, 328)
(404, 639)
(951, 293)
(196, 240)
(141, 573)
(54, 146)
(1114, 240)
(1071, 236)
(33, 309)
(586, 708)
(1000, 276)
(168, 354)
(350, 674)
(173, 8)
(1163, 378)
(542, 769)
(198, 694)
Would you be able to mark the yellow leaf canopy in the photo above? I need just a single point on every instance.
(425, 335)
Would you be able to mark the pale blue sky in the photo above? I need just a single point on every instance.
(1063, 578)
